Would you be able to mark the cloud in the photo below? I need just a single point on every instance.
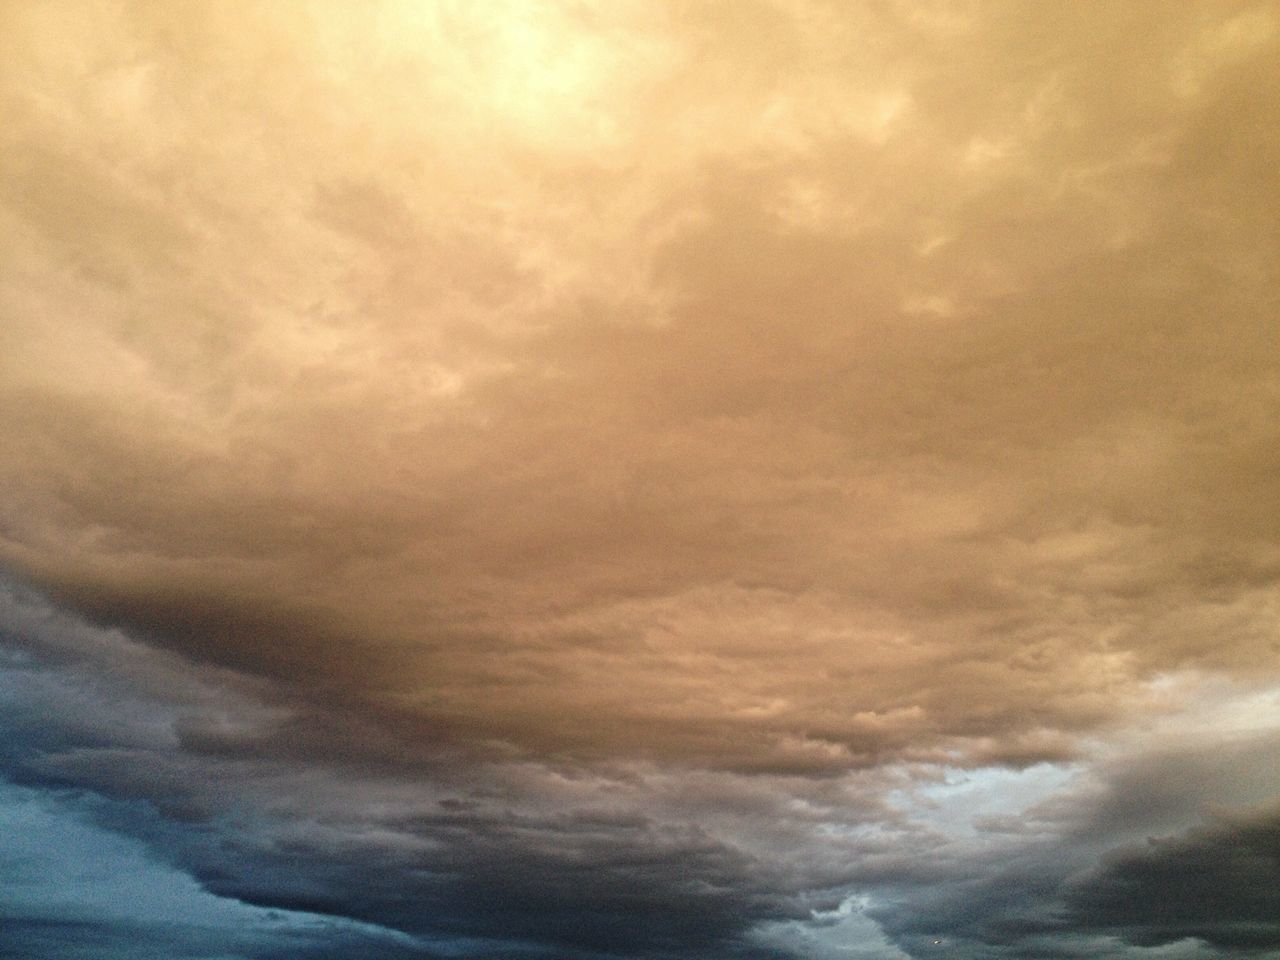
(684, 437)
(454, 454)
(74, 889)
(513, 859)
(1211, 884)
(508, 857)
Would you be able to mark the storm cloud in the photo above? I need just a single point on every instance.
(641, 480)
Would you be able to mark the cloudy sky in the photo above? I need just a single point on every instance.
(658, 480)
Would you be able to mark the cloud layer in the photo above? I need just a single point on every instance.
(646, 480)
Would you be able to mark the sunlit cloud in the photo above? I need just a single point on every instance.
(657, 480)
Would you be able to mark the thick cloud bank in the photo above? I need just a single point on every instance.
(770, 479)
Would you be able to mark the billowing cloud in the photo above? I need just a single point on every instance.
(1214, 883)
(623, 478)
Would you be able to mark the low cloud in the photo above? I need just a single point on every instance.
(1213, 884)
(603, 476)
(461, 855)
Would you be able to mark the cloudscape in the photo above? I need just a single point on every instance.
(664, 480)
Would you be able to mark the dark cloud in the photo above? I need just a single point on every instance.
(499, 857)
(485, 861)
(1216, 884)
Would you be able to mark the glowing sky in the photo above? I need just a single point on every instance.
(659, 480)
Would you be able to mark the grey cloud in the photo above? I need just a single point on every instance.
(1108, 867)
(487, 861)
(1215, 884)
(503, 858)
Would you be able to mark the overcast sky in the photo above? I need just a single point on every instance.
(640, 481)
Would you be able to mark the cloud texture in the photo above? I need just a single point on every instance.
(642, 480)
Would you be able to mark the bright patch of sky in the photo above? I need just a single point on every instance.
(959, 800)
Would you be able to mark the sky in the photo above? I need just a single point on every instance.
(664, 480)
